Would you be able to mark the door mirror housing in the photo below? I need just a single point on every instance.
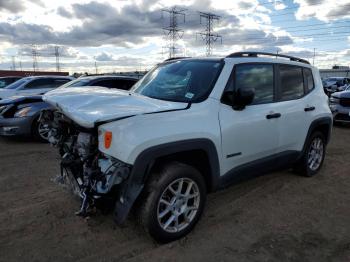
(239, 99)
(242, 98)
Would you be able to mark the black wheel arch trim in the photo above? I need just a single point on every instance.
(135, 183)
(319, 122)
(314, 125)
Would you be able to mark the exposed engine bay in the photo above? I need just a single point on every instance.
(90, 174)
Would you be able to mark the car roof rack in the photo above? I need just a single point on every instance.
(175, 58)
(256, 54)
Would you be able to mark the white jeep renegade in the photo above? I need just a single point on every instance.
(189, 127)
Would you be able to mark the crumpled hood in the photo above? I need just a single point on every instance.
(88, 105)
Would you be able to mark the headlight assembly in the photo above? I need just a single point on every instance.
(23, 112)
(2, 109)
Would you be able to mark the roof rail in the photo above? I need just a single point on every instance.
(175, 58)
(256, 54)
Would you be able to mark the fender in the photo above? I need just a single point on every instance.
(143, 163)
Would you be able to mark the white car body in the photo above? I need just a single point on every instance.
(22, 90)
(190, 126)
(246, 133)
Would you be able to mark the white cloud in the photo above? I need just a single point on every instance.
(110, 29)
(323, 10)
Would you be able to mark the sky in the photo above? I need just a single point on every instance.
(128, 35)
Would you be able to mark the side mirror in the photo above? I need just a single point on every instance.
(242, 98)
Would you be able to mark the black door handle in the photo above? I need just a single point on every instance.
(275, 115)
(310, 108)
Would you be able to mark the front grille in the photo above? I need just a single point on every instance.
(344, 102)
(342, 117)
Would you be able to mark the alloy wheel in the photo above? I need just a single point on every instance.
(178, 205)
(316, 152)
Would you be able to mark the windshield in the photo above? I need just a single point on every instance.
(76, 83)
(18, 83)
(180, 81)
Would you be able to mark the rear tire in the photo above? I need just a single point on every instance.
(173, 202)
(312, 160)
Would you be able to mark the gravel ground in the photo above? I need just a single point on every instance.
(276, 217)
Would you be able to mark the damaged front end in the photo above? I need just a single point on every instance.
(95, 177)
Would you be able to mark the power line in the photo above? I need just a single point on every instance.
(254, 36)
(317, 29)
(96, 68)
(57, 55)
(209, 36)
(13, 63)
(314, 35)
(274, 2)
(173, 32)
(35, 59)
(317, 24)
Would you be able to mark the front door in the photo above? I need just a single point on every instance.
(252, 133)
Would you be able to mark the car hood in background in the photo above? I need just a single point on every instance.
(21, 100)
(87, 106)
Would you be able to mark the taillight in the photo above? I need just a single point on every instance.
(108, 139)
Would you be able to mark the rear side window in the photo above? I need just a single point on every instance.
(60, 81)
(115, 83)
(105, 83)
(125, 84)
(309, 80)
(259, 77)
(40, 83)
(292, 82)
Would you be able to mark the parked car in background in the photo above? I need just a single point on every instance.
(339, 104)
(19, 115)
(335, 84)
(7, 80)
(109, 81)
(33, 85)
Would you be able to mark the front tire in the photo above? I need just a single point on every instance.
(173, 202)
(40, 132)
(312, 160)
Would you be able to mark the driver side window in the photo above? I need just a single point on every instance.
(259, 77)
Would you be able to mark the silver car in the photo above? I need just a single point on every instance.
(33, 85)
(339, 104)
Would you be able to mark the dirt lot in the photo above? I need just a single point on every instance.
(276, 217)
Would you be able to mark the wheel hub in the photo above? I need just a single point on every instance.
(178, 205)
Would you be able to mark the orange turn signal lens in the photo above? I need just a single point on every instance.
(108, 139)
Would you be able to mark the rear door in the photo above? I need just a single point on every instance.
(250, 134)
(294, 105)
